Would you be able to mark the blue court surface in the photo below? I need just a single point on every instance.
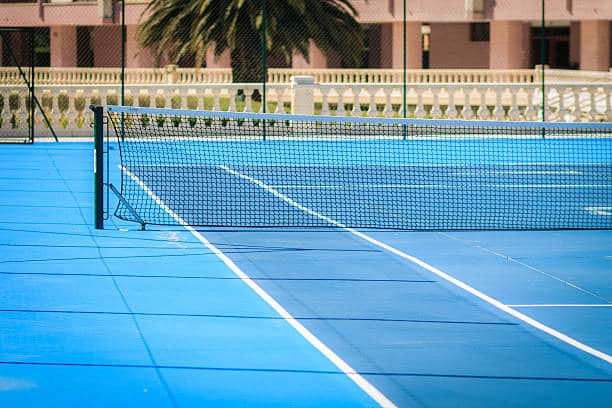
(322, 317)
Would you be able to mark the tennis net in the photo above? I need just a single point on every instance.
(264, 170)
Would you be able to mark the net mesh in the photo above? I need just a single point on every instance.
(257, 170)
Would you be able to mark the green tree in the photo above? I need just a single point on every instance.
(177, 28)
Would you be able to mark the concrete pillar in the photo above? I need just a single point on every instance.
(106, 42)
(595, 45)
(63, 44)
(574, 43)
(218, 61)
(316, 59)
(509, 45)
(302, 95)
(414, 49)
(135, 55)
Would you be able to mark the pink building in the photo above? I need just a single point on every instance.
(495, 34)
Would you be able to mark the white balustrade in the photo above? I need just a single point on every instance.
(387, 76)
(172, 74)
(66, 106)
(112, 76)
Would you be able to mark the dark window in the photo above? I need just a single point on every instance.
(6, 58)
(16, 47)
(556, 47)
(479, 31)
(85, 52)
(42, 47)
(371, 54)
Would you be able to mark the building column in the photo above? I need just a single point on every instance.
(595, 45)
(63, 44)
(574, 44)
(135, 55)
(316, 57)
(218, 61)
(414, 49)
(509, 45)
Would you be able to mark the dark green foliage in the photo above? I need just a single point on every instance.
(145, 120)
(176, 29)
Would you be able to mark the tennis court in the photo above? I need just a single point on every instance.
(490, 303)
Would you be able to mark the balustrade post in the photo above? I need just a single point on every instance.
(340, 108)
(72, 114)
(498, 111)
(216, 103)
(171, 74)
(483, 111)
(199, 100)
(372, 111)
(38, 116)
(466, 112)
(560, 113)
(451, 110)
(279, 102)
(55, 116)
(232, 100)
(388, 111)
(607, 105)
(576, 111)
(356, 105)
(302, 95)
(419, 111)
(513, 112)
(593, 103)
(530, 111)
(435, 112)
(248, 100)
(324, 101)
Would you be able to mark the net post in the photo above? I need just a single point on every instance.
(32, 107)
(123, 41)
(98, 124)
(404, 65)
(543, 63)
(264, 68)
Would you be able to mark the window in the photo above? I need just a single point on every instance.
(479, 31)
(42, 47)
(85, 52)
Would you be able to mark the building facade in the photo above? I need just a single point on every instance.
(462, 34)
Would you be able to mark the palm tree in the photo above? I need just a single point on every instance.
(178, 28)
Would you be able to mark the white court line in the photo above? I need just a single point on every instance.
(433, 186)
(496, 303)
(605, 211)
(343, 366)
(564, 305)
(533, 268)
(407, 165)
